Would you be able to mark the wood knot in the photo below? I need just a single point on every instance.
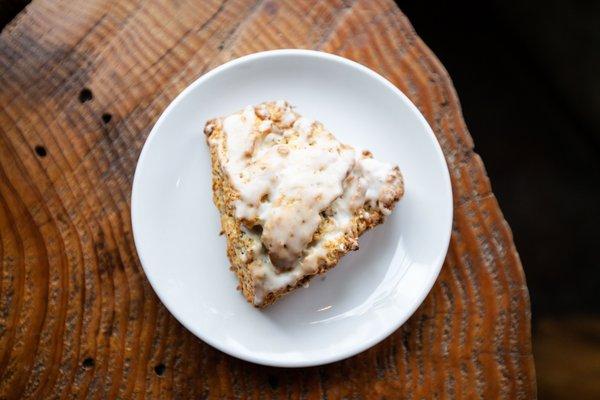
(160, 369)
(85, 95)
(40, 151)
(88, 363)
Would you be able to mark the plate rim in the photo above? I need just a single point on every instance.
(301, 362)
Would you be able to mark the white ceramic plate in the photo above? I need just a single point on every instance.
(370, 293)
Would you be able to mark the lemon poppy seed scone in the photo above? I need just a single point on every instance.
(293, 199)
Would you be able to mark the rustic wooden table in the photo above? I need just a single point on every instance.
(81, 84)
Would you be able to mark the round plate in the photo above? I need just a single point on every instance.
(364, 298)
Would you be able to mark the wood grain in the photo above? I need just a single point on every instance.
(81, 84)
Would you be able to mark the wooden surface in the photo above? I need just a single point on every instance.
(81, 84)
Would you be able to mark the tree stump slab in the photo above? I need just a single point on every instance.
(82, 83)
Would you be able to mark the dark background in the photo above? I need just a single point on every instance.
(528, 77)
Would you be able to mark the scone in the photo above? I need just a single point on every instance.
(293, 199)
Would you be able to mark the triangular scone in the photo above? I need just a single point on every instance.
(293, 200)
